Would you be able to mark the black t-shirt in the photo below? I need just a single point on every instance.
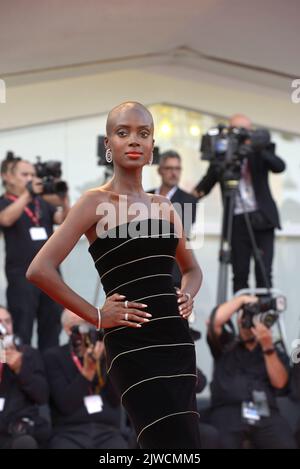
(20, 248)
(238, 372)
(24, 392)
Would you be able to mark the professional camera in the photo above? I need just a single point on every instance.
(266, 311)
(224, 144)
(50, 172)
(9, 340)
(84, 336)
(226, 147)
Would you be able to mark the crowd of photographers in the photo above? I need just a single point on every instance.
(60, 396)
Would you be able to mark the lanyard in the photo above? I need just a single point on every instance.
(34, 217)
(77, 362)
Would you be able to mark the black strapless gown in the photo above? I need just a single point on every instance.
(153, 367)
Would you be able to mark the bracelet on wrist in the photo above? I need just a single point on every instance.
(99, 320)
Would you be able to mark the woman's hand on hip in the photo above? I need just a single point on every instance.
(117, 311)
(185, 303)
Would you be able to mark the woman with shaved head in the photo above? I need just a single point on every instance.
(135, 239)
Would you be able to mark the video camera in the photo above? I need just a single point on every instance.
(227, 147)
(50, 172)
(266, 311)
(230, 144)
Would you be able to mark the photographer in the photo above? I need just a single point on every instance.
(249, 372)
(27, 220)
(253, 197)
(85, 409)
(23, 387)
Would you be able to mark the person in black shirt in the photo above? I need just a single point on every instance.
(247, 368)
(255, 198)
(26, 221)
(85, 408)
(296, 384)
(23, 388)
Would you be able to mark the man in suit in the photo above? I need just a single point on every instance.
(186, 204)
(84, 407)
(255, 198)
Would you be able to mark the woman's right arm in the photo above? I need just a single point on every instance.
(42, 271)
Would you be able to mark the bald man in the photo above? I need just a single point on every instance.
(255, 198)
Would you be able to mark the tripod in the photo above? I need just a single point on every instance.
(231, 189)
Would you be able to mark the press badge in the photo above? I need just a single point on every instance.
(2, 402)
(38, 233)
(93, 404)
(250, 413)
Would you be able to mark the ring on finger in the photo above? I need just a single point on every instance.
(126, 316)
(126, 304)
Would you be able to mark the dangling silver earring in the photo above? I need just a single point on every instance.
(108, 155)
(151, 159)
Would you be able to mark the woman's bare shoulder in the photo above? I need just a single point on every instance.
(97, 191)
(95, 195)
(159, 199)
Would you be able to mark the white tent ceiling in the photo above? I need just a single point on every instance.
(252, 41)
